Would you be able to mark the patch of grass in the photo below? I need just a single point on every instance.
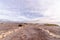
(51, 25)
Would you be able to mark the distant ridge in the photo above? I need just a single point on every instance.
(37, 20)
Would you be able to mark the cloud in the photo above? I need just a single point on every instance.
(11, 16)
(11, 11)
(29, 9)
(50, 9)
(35, 7)
(15, 10)
(53, 11)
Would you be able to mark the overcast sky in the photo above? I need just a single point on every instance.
(21, 10)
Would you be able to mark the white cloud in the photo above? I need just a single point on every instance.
(50, 9)
(18, 18)
(47, 8)
(53, 11)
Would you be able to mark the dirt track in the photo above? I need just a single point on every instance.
(24, 31)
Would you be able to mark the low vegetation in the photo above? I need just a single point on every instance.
(51, 25)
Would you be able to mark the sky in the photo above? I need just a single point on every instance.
(22, 10)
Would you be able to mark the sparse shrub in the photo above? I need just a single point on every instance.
(20, 25)
(51, 25)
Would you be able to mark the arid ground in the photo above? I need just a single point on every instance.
(29, 31)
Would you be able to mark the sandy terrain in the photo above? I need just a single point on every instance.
(29, 31)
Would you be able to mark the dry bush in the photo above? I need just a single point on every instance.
(51, 25)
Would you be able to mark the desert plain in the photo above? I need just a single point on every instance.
(29, 31)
